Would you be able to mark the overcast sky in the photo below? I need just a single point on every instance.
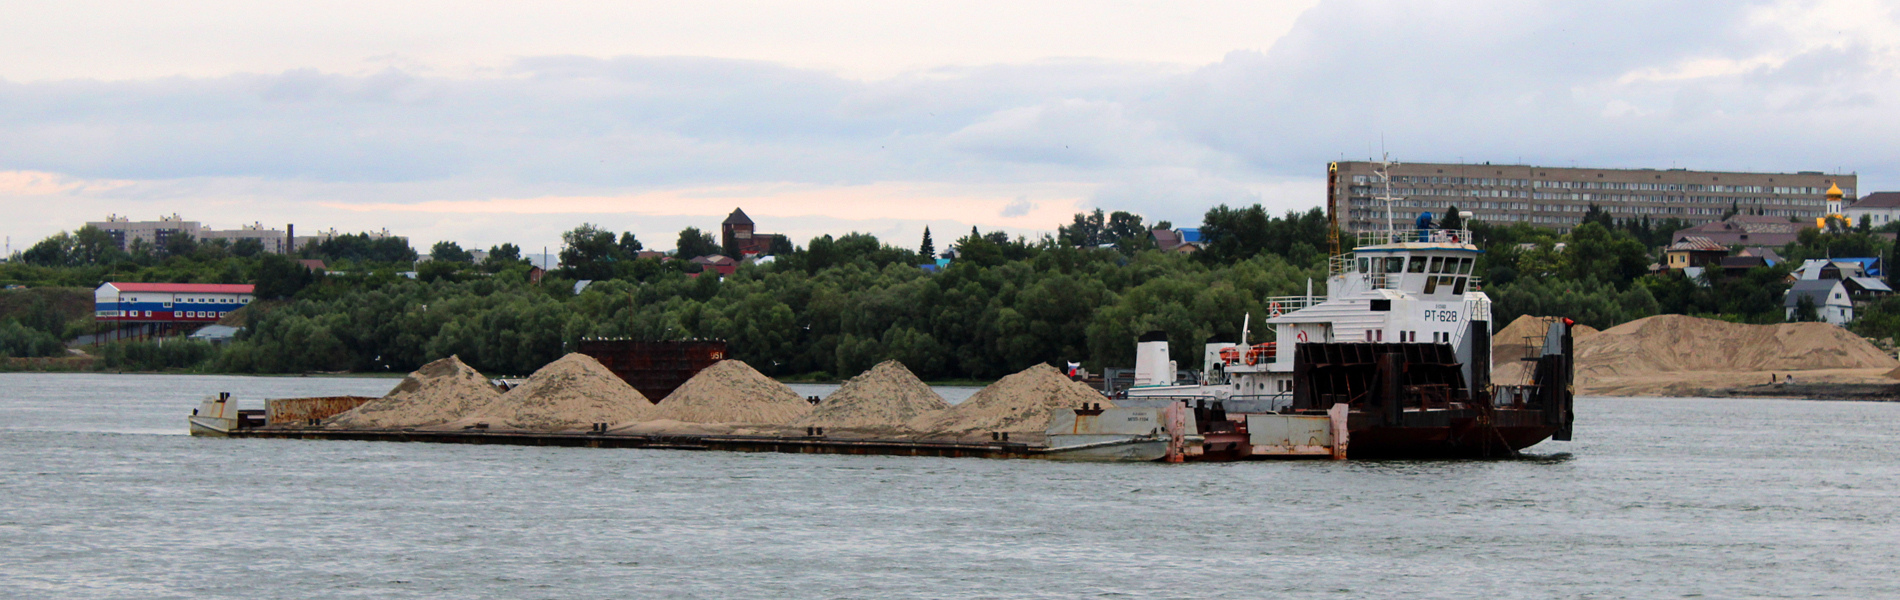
(486, 122)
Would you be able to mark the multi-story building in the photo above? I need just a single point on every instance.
(272, 239)
(123, 230)
(1558, 197)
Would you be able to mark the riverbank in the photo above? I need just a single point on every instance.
(1816, 384)
(1681, 356)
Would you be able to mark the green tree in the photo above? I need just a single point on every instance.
(928, 249)
(693, 244)
(54, 251)
(247, 247)
(93, 246)
(1804, 310)
(17, 340)
(179, 245)
(588, 252)
(450, 252)
(278, 277)
(1453, 219)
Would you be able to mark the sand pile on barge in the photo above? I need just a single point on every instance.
(1019, 403)
(888, 395)
(439, 392)
(574, 392)
(731, 391)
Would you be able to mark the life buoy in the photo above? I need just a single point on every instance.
(1274, 308)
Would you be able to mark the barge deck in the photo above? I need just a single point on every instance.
(729, 443)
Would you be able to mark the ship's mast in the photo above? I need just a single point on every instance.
(1385, 175)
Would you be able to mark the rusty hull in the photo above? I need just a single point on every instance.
(297, 411)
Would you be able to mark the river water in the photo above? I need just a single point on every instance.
(102, 495)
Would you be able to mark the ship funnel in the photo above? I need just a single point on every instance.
(1152, 366)
(1210, 355)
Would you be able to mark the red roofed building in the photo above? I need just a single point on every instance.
(168, 302)
(720, 263)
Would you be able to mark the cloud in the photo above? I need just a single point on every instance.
(547, 139)
(1018, 207)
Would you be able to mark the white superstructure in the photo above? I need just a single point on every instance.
(1396, 286)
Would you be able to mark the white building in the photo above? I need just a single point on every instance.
(1877, 209)
(168, 302)
(1830, 299)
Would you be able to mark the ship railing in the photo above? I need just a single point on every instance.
(1401, 236)
(1342, 263)
(1280, 305)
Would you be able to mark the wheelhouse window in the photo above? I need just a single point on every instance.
(1417, 266)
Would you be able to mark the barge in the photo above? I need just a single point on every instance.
(1394, 362)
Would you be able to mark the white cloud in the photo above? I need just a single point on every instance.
(527, 147)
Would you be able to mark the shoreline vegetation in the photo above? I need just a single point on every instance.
(839, 305)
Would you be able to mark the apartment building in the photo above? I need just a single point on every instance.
(1557, 197)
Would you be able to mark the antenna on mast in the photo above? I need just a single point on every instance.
(1385, 176)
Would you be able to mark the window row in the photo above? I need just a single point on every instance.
(1374, 180)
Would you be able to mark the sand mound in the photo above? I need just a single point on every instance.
(731, 391)
(1017, 403)
(1508, 344)
(888, 395)
(574, 392)
(1511, 344)
(1673, 343)
(439, 392)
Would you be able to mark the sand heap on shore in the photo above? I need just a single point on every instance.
(1019, 403)
(730, 391)
(888, 395)
(574, 392)
(439, 392)
(1674, 343)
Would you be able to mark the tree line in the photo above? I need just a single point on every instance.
(837, 305)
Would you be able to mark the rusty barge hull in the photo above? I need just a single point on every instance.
(728, 443)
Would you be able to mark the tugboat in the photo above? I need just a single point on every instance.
(1402, 339)
(218, 416)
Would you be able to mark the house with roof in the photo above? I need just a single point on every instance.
(1829, 296)
(1865, 277)
(1184, 240)
(1876, 209)
(1766, 254)
(1694, 252)
(1747, 230)
(736, 234)
(720, 263)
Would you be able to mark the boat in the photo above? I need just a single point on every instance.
(1401, 339)
(218, 416)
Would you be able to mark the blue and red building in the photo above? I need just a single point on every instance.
(168, 302)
